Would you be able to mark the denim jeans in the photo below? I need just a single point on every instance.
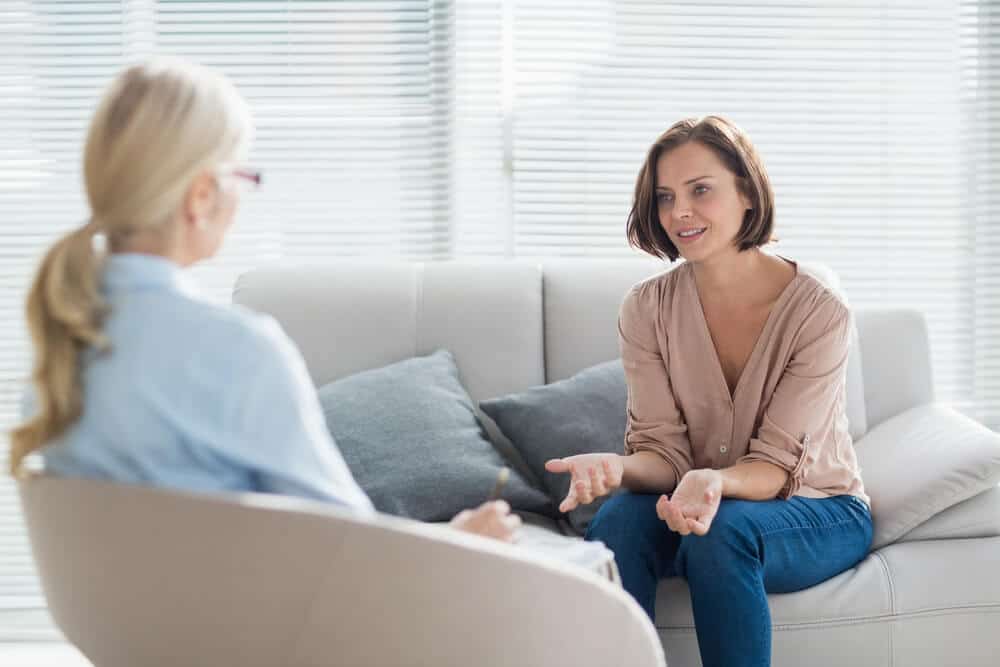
(752, 548)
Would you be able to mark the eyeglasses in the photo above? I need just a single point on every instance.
(248, 177)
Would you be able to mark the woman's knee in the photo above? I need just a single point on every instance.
(728, 545)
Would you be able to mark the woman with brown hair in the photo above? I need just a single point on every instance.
(740, 473)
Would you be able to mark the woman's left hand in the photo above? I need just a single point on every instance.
(693, 505)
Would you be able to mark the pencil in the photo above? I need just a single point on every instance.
(502, 478)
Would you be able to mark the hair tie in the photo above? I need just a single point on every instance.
(98, 237)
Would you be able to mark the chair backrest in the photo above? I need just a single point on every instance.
(140, 576)
(513, 325)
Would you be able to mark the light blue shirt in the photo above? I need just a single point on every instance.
(198, 396)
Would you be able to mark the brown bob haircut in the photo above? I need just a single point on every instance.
(733, 147)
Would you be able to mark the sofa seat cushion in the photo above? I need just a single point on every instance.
(861, 592)
(940, 575)
(919, 604)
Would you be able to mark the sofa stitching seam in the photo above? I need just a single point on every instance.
(981, 608)
(892, 604)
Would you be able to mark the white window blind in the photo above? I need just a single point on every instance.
(55, 59)
(854, 106)
(351, 103)
(980, 143)
(437, 129)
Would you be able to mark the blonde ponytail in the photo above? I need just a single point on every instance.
(64, 314)
(158, 125)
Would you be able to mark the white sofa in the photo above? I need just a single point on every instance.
(140, 576)
(931, 598)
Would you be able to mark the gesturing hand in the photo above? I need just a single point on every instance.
(593, 476)
(693, 504)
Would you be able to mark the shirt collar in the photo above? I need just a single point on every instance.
(124, 271)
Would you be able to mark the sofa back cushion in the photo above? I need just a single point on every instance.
(510, 325)
(355, 315)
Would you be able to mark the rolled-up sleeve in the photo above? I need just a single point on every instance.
(654, 423)
(802, 412)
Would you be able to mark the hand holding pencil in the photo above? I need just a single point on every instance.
(493, 518)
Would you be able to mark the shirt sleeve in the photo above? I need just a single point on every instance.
(281, 433)
(654, 423)
(801, 413)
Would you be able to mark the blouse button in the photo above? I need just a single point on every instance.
(723, 449)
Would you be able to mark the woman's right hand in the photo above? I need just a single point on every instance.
(593, 476)
(491, 519)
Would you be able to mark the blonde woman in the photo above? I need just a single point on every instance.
(139, 379)
(740, 471)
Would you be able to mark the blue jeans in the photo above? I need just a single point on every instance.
(752, 548)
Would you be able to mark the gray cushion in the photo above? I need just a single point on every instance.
(410, 436)
(580, 415)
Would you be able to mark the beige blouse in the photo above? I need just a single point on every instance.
(788, 407)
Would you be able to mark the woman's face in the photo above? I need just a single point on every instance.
(209, 210)
(219, 223)
(700, 206)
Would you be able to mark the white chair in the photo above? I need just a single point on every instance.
(139, 576)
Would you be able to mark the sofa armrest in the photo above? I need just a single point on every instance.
(922, 462)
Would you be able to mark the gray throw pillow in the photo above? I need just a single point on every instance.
(583, 414)
(410, 435)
